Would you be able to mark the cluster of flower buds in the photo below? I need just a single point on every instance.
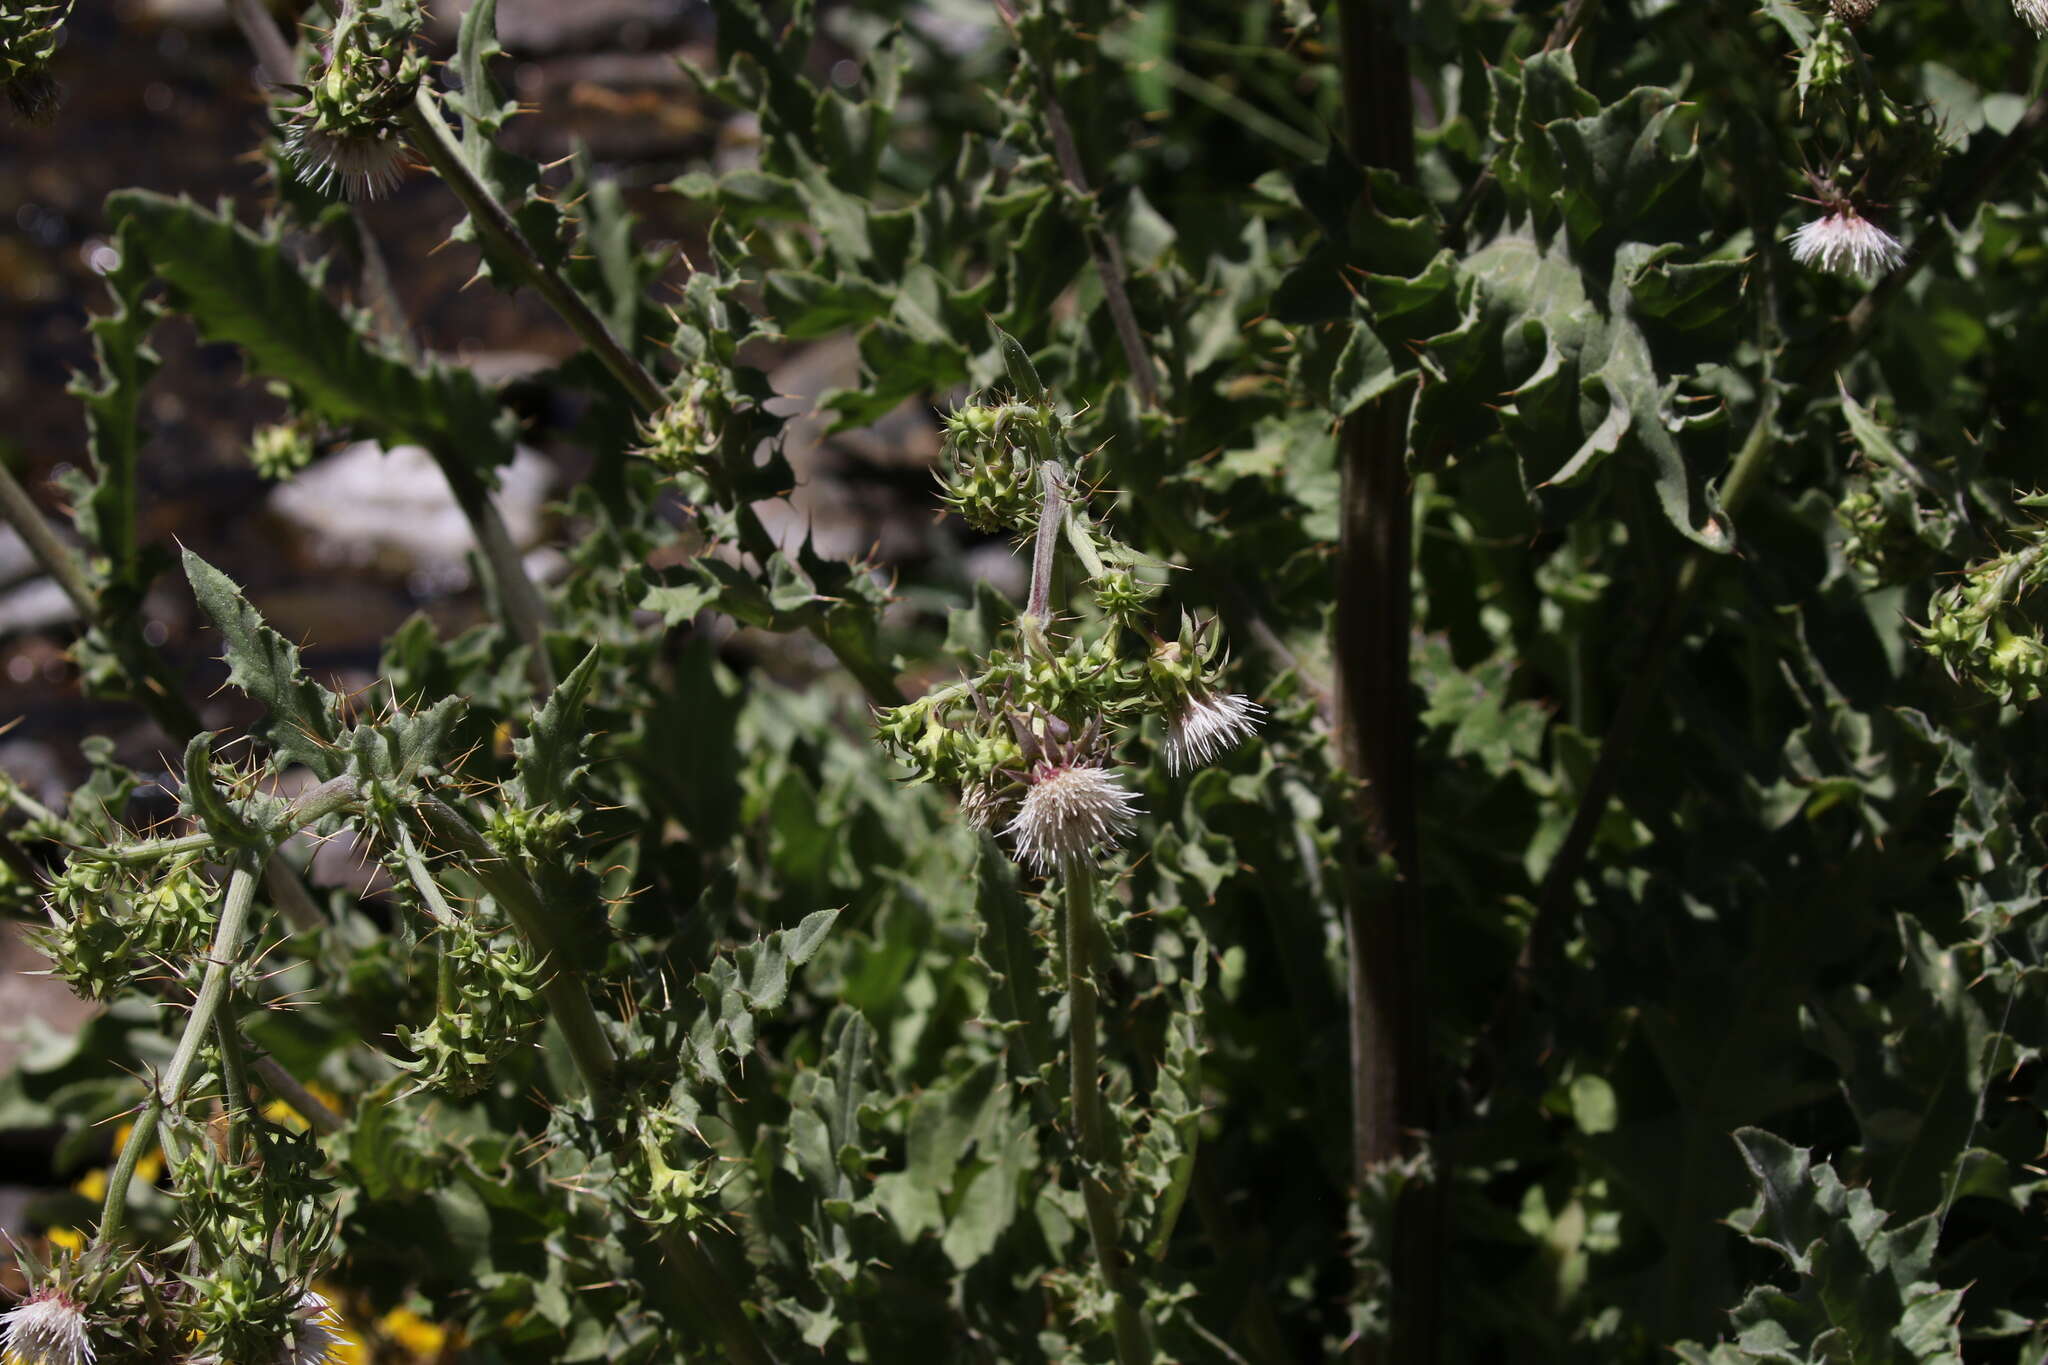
(1980, 627)
(109, 928)
(279, 451)
(1882, 521)
(28, 40)
(262, 1226)
(346, 137)
(990, 459)
(1028, 742)
(247, 1311)
(657, 1181)
(489, 1006)
(682, 436)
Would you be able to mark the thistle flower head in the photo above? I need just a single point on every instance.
(1852, 12)
(983, 805)
(2035, 12)
(47, 1328)
(363, 163)
(315, 1332)
(345, 137)
(1073, 804)
(1844, 242)
(1210, 724)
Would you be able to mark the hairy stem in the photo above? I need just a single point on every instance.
(1045, 545)
(1102, 1176)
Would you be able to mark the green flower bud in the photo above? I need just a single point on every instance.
(280, 451)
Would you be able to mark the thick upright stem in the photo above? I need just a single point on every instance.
(1101, 1165)
(1391, 1098)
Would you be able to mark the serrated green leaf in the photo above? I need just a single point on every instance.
(241, 288)
(550, 755)
(304, 722)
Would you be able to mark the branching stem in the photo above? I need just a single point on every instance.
(1102, 1176)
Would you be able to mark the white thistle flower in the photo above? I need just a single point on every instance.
(46, 1328)
(1847, 243)
(1208, 727)
(1069, 809)
(983, 805)
(359, 166)
(2035, 12)
(315, 1332)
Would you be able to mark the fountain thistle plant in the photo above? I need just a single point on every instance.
(1593, 432)
(1031, 743)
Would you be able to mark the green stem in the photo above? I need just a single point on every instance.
(169, 1092)
(114, 1212)
(213, 988)
(56, 558)
(1101, 1166)
(435, 140)
(234, 1082)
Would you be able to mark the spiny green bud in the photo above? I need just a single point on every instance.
(489, 1008)
(990, 471)
(1981, 630)
(1122, 595)
(657, 1181)
(277, 452)
(107, 932)
(681, 435)
(1881, 522)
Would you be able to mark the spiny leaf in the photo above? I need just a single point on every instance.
(240, 287)
(304, 724)
(550, 756)
(120, 348)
